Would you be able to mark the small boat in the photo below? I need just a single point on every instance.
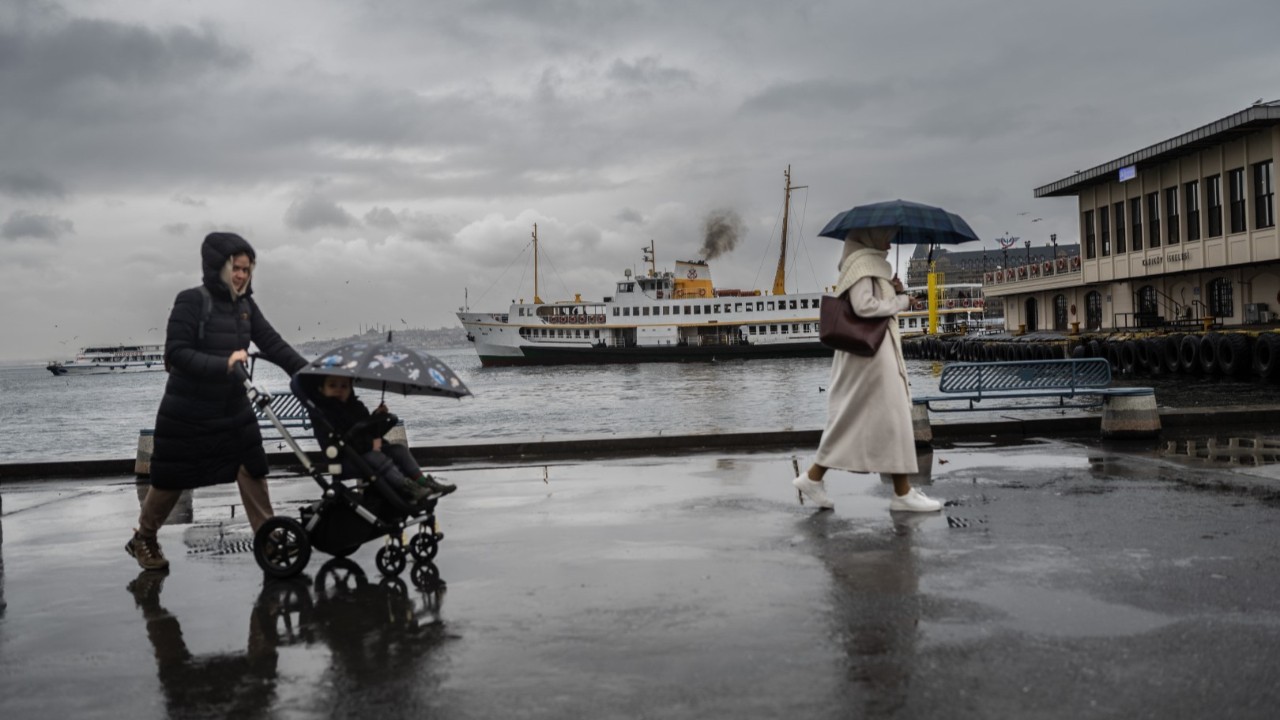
(663, 316)
(111, 359)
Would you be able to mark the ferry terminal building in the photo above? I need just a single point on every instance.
(1178, 234)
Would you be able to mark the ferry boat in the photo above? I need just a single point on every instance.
(111, 359)
(669, 316)
(961, 310)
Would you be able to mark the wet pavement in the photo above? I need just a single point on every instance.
(1062, 580)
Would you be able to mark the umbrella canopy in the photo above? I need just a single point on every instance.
(914, 223)
(389, 366)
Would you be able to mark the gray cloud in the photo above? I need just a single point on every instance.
(30, 184)
(381, 217)
(315, 211)
(649, 73)
(176, 229)
(629, 215)
(413, 224)
(183, 199)
(30, 225)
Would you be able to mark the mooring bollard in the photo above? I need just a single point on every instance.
(146, 446)
(1131, 415)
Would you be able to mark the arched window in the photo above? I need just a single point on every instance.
(1030, 317)
(1147, 302)
(1093, 310)
(1060, 312)
(1220, 303)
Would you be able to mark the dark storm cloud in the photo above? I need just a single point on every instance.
(30, 225)
(30, 184)
(316, 211)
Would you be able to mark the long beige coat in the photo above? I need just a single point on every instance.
(868, 401)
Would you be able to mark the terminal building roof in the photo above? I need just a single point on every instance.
(1249, 120)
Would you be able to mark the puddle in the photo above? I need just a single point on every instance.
(1255, 451)
(1062, 613)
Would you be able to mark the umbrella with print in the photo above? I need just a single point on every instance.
(389, 366)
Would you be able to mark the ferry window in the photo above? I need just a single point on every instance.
(596, 333)
(753, 329)
(748, 307)
(804, 303)
(793, 304)
(646, 311)
(785, 328)
(769, 305)
(666, 309)
(688, 309)
(773, 329)
(807, 327)
(717, 308)
(626, 311)
(737, 307)
(615, 312)
(697, 309)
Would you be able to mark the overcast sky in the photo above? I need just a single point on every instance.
(385, 156)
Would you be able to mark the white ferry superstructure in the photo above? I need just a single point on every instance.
(669, 316)
(107, 359)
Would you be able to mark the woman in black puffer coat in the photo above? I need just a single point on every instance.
(206, 432)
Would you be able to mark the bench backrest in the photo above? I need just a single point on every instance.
(1078, 374)
(288, 409)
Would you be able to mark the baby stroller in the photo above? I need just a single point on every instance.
(356, 504)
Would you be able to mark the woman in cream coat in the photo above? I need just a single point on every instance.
(869, 405)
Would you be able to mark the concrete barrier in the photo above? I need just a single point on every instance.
(1130, 416)
(146, 446)
(920, 424)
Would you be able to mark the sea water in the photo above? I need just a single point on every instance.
(44, 418)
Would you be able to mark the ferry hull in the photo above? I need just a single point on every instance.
(104, 369)
(630, 355)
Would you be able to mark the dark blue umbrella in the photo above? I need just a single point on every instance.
(389, 366)
(915, 223)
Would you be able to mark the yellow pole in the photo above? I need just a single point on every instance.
(536, 300)
(933, 300)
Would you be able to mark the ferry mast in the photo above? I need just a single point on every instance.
(780, 277)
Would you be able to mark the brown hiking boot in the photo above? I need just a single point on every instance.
(147, 552)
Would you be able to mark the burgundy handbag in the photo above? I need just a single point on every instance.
(841, 328)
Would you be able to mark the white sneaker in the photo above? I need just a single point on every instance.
(914, 501)
(814, 491)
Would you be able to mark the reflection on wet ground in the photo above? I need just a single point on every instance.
(1232, 451)
(367, 629)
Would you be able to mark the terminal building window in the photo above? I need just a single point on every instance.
(1171, 214)
(1213, 196)
(1220, 305)
(1264, 210)
(1191, 193)
(1235, 185)
(1135, 216)
(1104, 229)
(1153, 220)
(1090, 241)
(1093, 310)
(1119, 212)
(1060, 312)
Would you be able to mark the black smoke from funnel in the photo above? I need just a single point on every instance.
(721, 229)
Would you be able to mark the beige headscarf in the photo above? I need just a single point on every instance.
(861, 258)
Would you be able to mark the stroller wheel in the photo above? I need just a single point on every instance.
(390, 559)
(281, 547)
(424, 545)
(426, 576)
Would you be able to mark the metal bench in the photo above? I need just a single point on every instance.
(1074, 383)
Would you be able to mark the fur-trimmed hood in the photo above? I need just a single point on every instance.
(216, 254)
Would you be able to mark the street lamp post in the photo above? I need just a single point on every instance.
(1027, 245)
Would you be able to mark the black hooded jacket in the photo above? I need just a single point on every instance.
(205, 428)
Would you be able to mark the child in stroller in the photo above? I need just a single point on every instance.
(364, 432)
